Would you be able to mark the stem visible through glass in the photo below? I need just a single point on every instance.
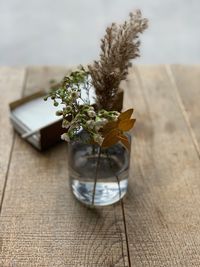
(117, 178)
(96, 175)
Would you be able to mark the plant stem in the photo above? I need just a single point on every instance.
(96, 175)
(117, 178)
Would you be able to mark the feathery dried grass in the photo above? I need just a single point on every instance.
(119, 45)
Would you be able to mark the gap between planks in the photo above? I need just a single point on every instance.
(126, 233)
(182, 108)
(12, 148)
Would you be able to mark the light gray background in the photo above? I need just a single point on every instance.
(68, 31)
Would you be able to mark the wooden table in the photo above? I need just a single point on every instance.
(158, 223)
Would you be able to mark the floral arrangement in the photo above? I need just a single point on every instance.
(104, 125)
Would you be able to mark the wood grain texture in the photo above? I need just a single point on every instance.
(186, 79)
(40, 77)
(163, 203)
(11, 84)
(41, 222)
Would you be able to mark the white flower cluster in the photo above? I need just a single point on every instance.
(98, 138)
(89, 120)
(78, 114)
(97, 120)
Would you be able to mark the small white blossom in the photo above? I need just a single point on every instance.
(98, 139)
(90, 124)
(104, 121)
(100, 123)
(65, 137)
(91, 113)
(65, 124)
(97, 128)
(114, 118)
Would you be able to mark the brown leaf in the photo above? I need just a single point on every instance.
(109, 127)
(113, 131)
(126, 125)
(124, 139)
(126, 114)
(111, 138)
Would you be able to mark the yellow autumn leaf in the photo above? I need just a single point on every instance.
(126, 125)
(109, 127)
(113, 131)
(124, 139)
(126, 114)
(111, 138)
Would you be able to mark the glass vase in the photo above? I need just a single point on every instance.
(98, 176)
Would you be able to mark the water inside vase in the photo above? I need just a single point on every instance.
(109, 169)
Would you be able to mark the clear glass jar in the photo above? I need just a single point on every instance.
(98, 177)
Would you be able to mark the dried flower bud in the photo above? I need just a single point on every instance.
(74, 94)
(68, 109)
(56, 103)
(137, 13)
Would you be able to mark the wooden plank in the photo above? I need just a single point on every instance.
(163, 204)
(11, 83)
(42, 224)
(41, 77)
(186, 80)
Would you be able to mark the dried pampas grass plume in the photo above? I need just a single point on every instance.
(119, 45)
